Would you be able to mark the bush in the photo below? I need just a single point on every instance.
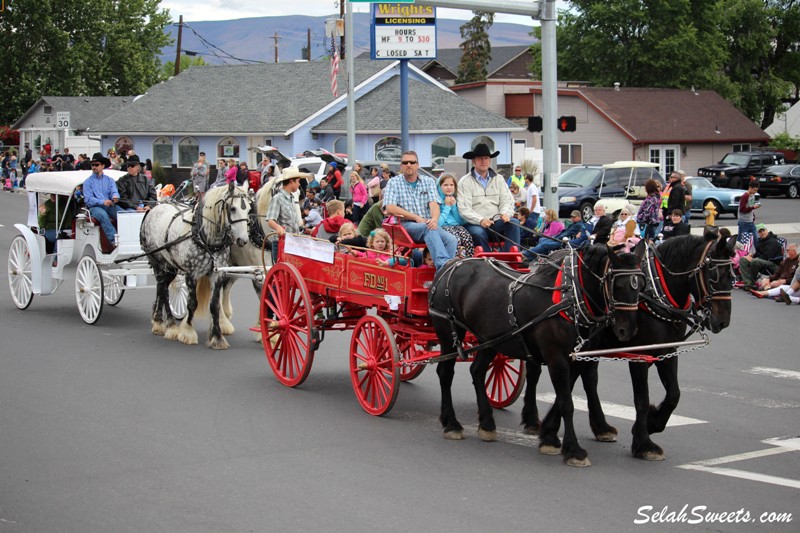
(784, 141)
(159, 174)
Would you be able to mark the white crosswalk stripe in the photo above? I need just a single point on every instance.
(773, 372)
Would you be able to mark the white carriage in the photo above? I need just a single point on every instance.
(101, 276)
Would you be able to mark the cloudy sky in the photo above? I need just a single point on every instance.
(194, 10)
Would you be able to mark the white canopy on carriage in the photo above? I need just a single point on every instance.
(63, 182)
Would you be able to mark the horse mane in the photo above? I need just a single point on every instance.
(263, 198)
(214, 212)
(682, 251)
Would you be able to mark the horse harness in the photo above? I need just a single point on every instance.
(575, 307)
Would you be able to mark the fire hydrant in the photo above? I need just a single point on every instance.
(710, 212)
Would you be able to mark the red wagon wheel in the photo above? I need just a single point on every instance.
(286, 324)
(504, 381)
(408, 350)
(374, 368)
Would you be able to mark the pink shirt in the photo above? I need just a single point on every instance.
(359, 193)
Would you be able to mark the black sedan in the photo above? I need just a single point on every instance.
(780, 179)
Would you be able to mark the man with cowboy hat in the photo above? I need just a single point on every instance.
(485, 202)
(135, 189)
(282, 215)
(100, 195)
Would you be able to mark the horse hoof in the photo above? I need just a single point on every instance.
(531, 430)
(187, 338)
(171, 333)
(226, 328)
(158, 329)
(579, 463)
(454, 435)
(487, 436)
(218, 344)
(653, 456)
(549, 449)
(606, 437)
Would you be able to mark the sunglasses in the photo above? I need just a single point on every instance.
(97, 164)
(408, 162)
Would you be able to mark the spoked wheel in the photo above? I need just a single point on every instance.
(286, 324)
(504, 381)
(178, 297)
(89, 290)
(408, 350)
(113, 288)
(374, 368)
(20, 281)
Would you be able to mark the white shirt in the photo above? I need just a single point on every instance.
(531, 191)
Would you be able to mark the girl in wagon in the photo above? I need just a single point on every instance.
(380, 249)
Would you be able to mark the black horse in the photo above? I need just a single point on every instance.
(688, 288)
(539, 315)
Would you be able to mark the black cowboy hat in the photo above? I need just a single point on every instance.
(99, 158)
(132, 160)
(480, 150)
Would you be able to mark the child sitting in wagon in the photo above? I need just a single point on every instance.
(380, 249)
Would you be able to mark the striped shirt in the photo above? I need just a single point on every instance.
(283, 211)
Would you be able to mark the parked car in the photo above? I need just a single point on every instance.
(726, 201)
(780, 179)
(735, 168)
(312, 161)
(394, 166)
(618, 183)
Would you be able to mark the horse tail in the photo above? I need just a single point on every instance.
(203, 295)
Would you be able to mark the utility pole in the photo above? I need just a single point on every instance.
(308, 44)
(341, 38)
(178, 50)
(275, 37)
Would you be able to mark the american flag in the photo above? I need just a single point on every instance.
(746, 240)
(334, 68)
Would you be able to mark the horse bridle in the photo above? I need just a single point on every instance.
(706, 283)
(608, 278)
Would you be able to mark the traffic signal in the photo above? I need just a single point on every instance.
(566, 123)
(535, 124)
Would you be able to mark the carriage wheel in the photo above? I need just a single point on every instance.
(286, 324)
(504, 381)
(408, 350)
(374, 368)
(89, 290)
(113, 288)
(178, 297)
(20, 281)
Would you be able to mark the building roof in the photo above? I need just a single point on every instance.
(268, 98)
(670, 115)
(432, 109)
(449, 58)
(788, 122)
(85, 111)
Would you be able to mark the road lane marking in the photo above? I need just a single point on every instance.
(773, 372)
(619, 411)
(782, 445)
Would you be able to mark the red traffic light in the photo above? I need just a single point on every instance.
(566, 123)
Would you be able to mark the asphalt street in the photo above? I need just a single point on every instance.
(107, 428)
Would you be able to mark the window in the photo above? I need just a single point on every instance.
(441, 149)
(388, 149)
(666, 155)
(188, 152)
(48, 110)
(482, 139)
(340, 145)
(616, 178)
(228, 148)
(123, 144)
(571, 154)
(745, 147)
(162, 151)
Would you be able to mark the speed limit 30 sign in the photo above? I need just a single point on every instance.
(62, 120)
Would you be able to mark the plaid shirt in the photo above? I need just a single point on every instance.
(283, 211)
(414, 198)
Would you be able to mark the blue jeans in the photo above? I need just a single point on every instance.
(747, 227)
(441, 244)
(104, 214)
(509, 230)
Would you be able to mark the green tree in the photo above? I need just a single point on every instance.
(187, 62)
(78, 48)
(477, 50)
(764, 63)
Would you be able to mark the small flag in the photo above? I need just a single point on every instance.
(334, 68)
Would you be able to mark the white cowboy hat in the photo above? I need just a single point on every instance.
(291, 172)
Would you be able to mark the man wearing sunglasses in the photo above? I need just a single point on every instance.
(101, 196)
(414, 200)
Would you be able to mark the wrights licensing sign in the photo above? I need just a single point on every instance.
(403, 31)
